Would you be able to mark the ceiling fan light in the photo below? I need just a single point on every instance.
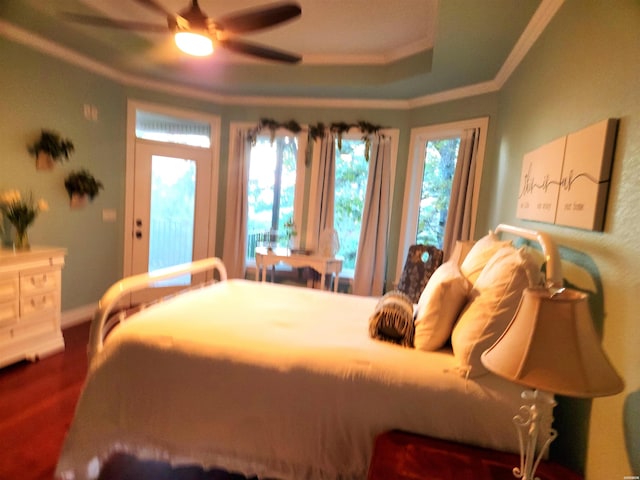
(194, 44)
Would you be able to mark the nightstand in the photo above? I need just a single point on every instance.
(405, 456)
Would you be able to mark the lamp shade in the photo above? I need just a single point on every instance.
(551, 345)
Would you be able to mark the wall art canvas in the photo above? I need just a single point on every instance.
(538, 195)
(586, 172)
(566, 181)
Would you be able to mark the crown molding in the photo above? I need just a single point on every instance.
(38, 43)
(536, 26)
(539, 21)
(455, 94)
(380, 59)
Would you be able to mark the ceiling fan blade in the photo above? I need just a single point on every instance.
(111, 23)
(153, 5)
(257, 19)
(246, 48)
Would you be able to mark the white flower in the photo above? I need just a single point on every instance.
(10, 196)
(21, 213)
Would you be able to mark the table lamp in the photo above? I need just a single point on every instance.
(552, 347)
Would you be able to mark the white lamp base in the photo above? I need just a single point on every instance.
(533, 424)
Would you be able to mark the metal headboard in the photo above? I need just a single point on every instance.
(549, 249)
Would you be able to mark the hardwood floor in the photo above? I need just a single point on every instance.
(37, 402)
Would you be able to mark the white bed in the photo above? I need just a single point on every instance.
(270, 380)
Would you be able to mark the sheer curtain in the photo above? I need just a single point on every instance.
(235, 227)
(371, 262)
(322, 209)
(459, 218)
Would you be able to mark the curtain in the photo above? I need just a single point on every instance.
(235, 226)
(459, 218)
(324, 207)
(371, 262)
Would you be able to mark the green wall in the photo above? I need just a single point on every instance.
(40, 92)
(584, 68)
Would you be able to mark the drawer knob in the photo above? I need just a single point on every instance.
(36, 304)
(39, 281)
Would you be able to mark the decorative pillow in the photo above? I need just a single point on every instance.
(494, 300)
(439, 306)
(460, 251)
(480, 254)
(417, 269)
(392, 320)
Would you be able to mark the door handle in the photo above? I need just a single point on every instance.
(138, 222)
(138, 234)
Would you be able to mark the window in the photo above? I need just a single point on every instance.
(351, 177)
(172, 215)
(433, 153)
(170, 129)
(439, 167)
(352, 171)
(272, 190)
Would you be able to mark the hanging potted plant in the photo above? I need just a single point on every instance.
(50, 148)
(81, 186)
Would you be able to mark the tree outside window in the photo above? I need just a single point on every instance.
(271, 189)
(352, 171)
(439, 168)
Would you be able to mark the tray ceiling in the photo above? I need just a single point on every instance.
(351, 49)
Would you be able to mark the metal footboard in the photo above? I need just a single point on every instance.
(103, 320)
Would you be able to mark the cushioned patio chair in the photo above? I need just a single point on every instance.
(421, 262)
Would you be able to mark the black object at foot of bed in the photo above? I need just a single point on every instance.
(123, 467)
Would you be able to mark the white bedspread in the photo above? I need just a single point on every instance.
(273, 381)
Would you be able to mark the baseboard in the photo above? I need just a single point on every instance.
(78, 315)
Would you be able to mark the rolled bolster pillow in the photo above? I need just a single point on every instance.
(392, 319)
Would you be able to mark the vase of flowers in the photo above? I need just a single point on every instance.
(21, 212)
(6, 231)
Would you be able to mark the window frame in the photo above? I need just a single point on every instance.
(420, 136)
(301, 170)
(354, 133)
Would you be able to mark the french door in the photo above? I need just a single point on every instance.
(171, 210)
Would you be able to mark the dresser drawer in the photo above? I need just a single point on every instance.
(39, 281)
(9, 289)
(39, 303)
(8, 312)
(44, 324)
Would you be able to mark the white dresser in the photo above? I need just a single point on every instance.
(30, 287)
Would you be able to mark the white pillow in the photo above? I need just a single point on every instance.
(494, 300)
(460, 251)
(480, 254)
(439, 306)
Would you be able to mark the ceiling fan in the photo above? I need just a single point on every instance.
(196, 33)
